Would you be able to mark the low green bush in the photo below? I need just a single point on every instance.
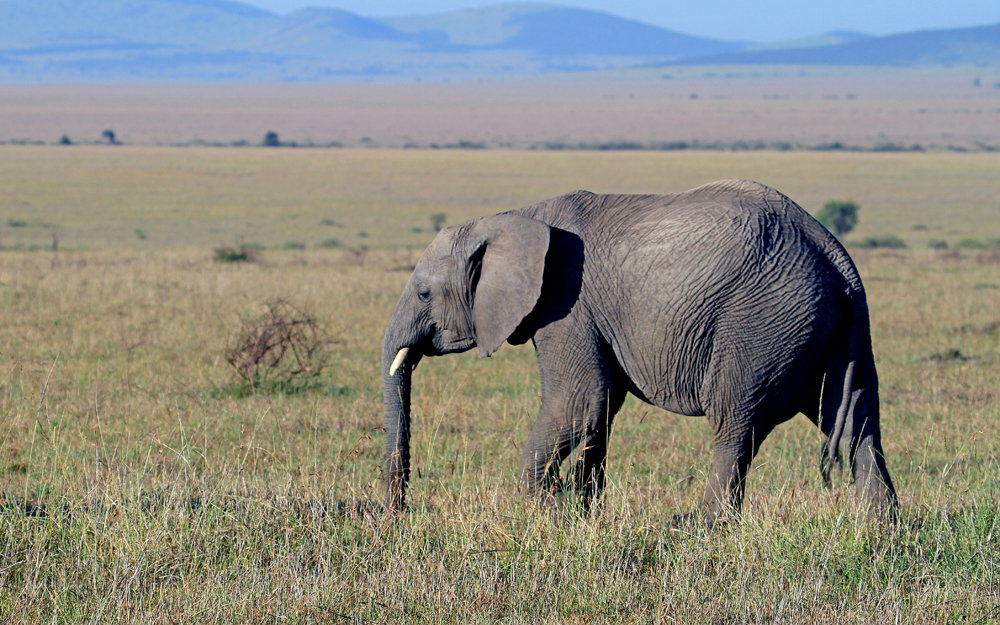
(889, 241)
(244, 253)
(839, 216)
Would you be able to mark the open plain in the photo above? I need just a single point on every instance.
(866, 108)
(142, 482)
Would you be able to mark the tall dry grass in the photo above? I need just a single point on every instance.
(141, 482)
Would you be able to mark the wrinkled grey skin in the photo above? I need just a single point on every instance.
(727, 301)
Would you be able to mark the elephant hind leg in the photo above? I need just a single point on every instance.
(849, 418)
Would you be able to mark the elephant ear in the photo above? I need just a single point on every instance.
(510, 276)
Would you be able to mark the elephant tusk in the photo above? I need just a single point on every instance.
(399, 360)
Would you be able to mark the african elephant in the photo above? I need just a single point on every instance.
(727, 301)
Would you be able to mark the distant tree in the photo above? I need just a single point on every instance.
(271, 139)
(65, 140)
(109, 136)
(437, 220)
(839, 216)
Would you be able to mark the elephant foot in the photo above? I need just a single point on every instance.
(685, 522)
(545, 497)
(691, 521)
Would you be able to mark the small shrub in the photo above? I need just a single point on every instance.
(950, 356)
(971, 244)
(937, 244)
(889, 146)
(329, 243)
(331, 222)
(465, 144)
(355, 256)
(292, 245)
(282, 348)
(673, 145)
(271, 139)
(824, 147)
(437, 221)
(244, 253)
(890, 241)
(139, 233)
(619, 145)
(747, 145)
(839, 216)
(16, 223)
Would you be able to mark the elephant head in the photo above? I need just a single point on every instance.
(472, 287)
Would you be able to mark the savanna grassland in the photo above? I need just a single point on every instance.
(142, 482)
(748, 108)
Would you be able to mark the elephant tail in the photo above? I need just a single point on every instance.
(838, 398)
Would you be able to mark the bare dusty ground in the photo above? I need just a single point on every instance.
(865, 109)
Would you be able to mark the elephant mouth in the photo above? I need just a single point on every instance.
(448, 342)
(434, 344)
(440, 341)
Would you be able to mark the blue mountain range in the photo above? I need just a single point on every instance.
(211, 40)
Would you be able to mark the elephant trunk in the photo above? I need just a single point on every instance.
(397, 366)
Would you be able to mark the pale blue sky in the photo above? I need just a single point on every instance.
(762, 21)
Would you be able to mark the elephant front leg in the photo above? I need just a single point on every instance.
(591, 466)
(579, 401)
(550, 442)
(554, 438)
(591, 462)
(734, 451)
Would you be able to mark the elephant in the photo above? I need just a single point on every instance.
(727, 301)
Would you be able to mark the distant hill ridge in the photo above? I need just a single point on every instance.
(209, 40)
(979, 45)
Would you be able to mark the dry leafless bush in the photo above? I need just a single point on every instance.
(283, 346)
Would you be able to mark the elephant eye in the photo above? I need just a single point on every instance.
(424, 295)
